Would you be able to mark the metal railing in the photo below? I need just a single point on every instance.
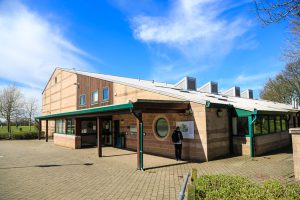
(183, 187)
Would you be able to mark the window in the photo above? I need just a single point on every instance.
(59, 126)
(88, 127)
(278, 123)
(272, 124)
(257, 126)
(95, 97)
(242, 126)
(105, 94)
(55, 80)
(265, 124)
(298, 121)
(70, 127)
(82, 100)
(283, 123)
(161, 127)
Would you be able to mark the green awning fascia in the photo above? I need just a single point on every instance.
(242, 113)
(89, 111)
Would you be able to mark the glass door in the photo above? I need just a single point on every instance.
(106, 133)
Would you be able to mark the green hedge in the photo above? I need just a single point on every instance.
(236, 187)
(19, 136)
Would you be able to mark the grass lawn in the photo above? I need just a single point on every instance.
(16, 130)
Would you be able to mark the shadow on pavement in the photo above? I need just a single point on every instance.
(168, 165)
(124, 154)
(47, 165)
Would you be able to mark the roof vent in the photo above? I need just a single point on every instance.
(248, 94)
(233, 92)
(210, 87)
(295, 103)
(187, 83)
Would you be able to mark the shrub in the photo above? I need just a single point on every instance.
(19, 136)
(237, 187)
(25, 136)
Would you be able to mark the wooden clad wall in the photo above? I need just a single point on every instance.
(191, 148)
(59, 95)
(86, 85)
(123, 93)
(218, 138)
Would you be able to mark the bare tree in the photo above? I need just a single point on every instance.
(292, 49)
(274, 11)
(31, 109)
(10, 104)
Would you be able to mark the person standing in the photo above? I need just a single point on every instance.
(177, 140)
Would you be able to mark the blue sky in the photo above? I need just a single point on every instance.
(147, 39)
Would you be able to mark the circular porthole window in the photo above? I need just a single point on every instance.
(161, 127)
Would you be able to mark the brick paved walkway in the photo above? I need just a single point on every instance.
(39, 170)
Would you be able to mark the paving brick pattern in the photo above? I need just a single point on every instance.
(39, 170)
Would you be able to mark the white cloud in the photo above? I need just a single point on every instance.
(31, 47)
(242, 79)
(195, 27)
(253, 81)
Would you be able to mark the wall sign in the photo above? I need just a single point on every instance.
(187, 129)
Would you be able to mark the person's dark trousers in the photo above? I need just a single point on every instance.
(178, 148)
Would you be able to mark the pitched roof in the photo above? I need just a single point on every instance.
(192, 96)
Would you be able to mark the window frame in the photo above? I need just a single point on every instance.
(278, 124)
(84, 100)
(70, 126)
(103, 89)
(92, 99)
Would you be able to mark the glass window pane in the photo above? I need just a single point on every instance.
(95, 96)
(82, 100)
(59, 126)
(88, 127)
(70, 126)
(162, 127)
(105, 95)
(278, 124)
(272, 124)
(265, 125)
(242, 126)
(257, 126)
(283, 124)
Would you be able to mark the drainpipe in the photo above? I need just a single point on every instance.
(140, 151)
(250, 124)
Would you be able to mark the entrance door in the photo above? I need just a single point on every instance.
(106, 132)
(117, 135)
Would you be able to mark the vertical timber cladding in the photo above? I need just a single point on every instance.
(86, 85)
(59, 96)
(218, 138)
(193, 149)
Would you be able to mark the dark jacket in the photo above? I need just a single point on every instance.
(176, 136)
